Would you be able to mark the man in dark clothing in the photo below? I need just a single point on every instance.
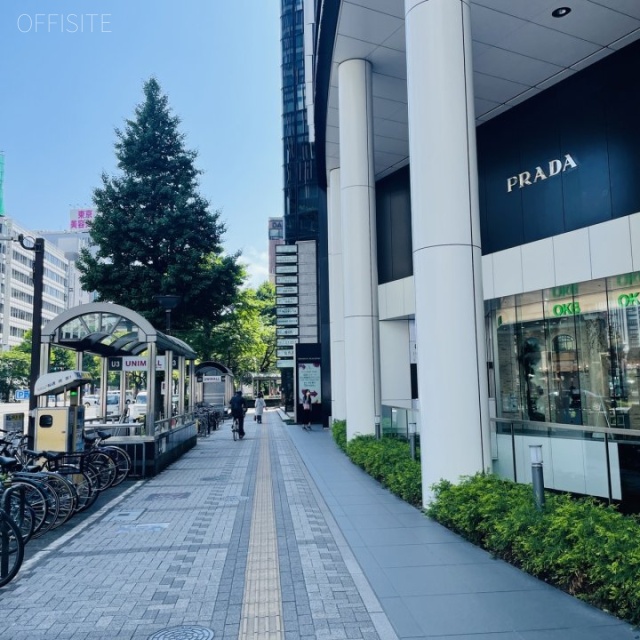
(238, 409)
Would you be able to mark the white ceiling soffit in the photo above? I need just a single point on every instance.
(519, 49)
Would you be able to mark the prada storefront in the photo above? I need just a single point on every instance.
(570, 354)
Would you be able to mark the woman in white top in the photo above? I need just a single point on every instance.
(260, 404)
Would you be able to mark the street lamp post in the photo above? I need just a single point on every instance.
(37, 246)
(167, 302)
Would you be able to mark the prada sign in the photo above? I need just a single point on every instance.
(540, 173)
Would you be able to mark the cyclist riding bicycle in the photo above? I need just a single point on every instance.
(238, 408)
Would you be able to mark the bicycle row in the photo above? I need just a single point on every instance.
(41, 490)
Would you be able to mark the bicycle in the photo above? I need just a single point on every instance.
(235, 426)
(11, 549)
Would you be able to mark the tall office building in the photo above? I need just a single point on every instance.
(16, 284)
(304, 211)
(480, 159)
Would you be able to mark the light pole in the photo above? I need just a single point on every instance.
(37, 246)
(167, 302)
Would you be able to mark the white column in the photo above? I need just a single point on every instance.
(452, 379)
(336, 299)
(358, 216)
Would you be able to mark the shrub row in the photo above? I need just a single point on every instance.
(584, 547)
(579, 545)
(387, 460)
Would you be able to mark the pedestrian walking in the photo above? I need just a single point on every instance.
(259, 407)
(306, 410)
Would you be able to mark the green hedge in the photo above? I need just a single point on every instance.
(387, 460)
(579, 545)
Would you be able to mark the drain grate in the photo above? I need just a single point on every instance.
(188, 632)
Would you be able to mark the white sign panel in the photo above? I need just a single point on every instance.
(286, 290)
(286, 311)
(287, 300)
(286, 257)
(286, 268)
(284, 353)
(286, 279)
(284, 364)
(287, 248)
(286, 342)
(139, 363)
(287, 331)
(211, 378)
(81, 219)
(287, 320)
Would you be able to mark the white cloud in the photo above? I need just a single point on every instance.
(257, 265)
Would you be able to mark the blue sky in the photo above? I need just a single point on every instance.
(69, 81)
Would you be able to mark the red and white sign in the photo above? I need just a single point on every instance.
(81, 219)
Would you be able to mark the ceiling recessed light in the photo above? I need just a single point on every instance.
(561, 12)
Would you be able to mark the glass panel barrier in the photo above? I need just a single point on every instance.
(584, 460)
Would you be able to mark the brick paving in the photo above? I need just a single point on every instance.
(178, 551)
(277, 537)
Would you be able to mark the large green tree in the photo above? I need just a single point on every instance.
(15, 367)
(244, 336)
(155, 234)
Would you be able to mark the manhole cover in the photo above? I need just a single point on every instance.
(143, 526)
(183, 633)
(168, 496)
(124, 515)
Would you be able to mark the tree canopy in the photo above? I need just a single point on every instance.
(244, 337)
(154, 233)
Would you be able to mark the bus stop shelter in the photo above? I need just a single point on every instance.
(114, 333)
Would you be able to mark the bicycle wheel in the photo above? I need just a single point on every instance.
(11, 549)
(104, 468)
(59, 493)
(84, 485)
(43, 502)
(234, 428)
(67, 496)
(20, 512)
(122, 461)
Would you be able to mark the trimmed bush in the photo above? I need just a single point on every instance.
(339, 431)
(577, 544)
(387, 460)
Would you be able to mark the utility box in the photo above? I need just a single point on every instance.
(59, 429)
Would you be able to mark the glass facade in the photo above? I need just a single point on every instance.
(301, 198)
(570, 354)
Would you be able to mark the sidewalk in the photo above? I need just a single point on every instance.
(278, 536)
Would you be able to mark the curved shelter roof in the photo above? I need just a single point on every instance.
(208, 365)
(109, 330)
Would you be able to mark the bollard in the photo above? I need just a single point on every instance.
(537, 476)
(412, 439)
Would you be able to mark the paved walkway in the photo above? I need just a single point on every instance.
(276, 537)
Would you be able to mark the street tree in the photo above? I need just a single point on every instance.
(154, 233)
(15, 367)
(243, 337)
